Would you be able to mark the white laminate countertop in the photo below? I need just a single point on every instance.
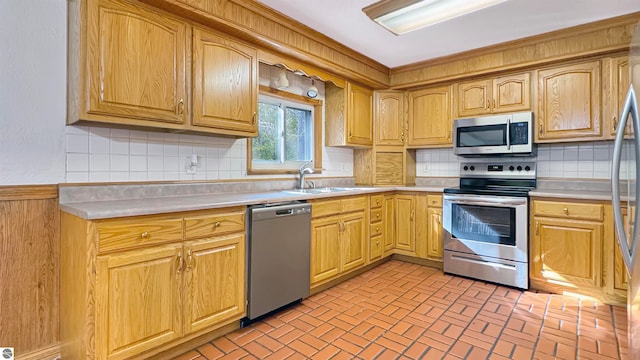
(104, 209)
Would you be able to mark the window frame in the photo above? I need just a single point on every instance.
(317, 133)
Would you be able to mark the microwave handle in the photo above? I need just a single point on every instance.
(508, 134)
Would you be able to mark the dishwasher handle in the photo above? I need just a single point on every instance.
(262, 212)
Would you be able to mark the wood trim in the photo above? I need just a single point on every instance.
(264, 27)
(598, 38)
(47, 353)
(28, 192)
(293, 65)
(384, 7)
(317, 132)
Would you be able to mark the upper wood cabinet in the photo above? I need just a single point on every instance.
(502, 94)
(225, 84)
(348, 116)
(430, 115)
(127, 65)
(389, 118)
(615, 92)
(569, 103)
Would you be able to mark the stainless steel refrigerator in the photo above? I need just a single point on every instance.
(625, 188)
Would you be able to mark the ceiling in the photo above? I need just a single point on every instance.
(344, 21)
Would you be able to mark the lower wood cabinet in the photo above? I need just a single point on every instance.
(166, 280)
(572, 249)
(405, 229)
(434, 223)
(339, 231)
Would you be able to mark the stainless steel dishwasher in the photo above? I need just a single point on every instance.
(278, 263)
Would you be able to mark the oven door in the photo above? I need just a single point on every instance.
(486, 225)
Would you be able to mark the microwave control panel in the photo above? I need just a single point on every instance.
(519, 133)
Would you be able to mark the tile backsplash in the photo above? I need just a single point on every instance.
(590, 160)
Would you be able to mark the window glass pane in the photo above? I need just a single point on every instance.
(298, 130)
(266, 146)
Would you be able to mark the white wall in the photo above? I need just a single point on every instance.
(33, 48)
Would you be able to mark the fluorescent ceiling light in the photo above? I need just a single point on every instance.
(403, 16)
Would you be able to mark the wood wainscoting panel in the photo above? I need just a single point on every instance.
(29, 269)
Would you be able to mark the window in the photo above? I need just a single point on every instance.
(287, 134)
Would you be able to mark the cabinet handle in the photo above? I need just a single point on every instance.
(377, 229)
(488, 104)
(615, 124)
(378, 242)
(181, 107)
(179, 262)
(493, 104)
(565, 211)
(537, 228)
(378, 215)
(449, 136)
(253, 118)
(541, 130)
(217, 224)
(145, 235)
(350, 134)
(189, 260)
(412, 215)
(377, 202)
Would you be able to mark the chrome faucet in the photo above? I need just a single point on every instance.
(302, 172)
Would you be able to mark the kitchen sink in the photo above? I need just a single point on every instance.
(315, 190)
(322, 190)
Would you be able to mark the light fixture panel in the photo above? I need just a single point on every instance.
(403, 16)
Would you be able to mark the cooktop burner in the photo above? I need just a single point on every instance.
(499, 178)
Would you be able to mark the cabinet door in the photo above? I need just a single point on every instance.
(569, 103)
(225, 87)
(474, 98)
(619, 87)
(138, 301)
(136, 63)
(405, 206)
(434, 239)
(214, 281)
(511, 93)
(389, 224)
(360, 115)
(430, 121)
(620, 274)
(325, 248)
(567, 252)
(354, 233)
(389, 118)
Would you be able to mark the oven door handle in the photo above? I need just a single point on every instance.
(488, 202)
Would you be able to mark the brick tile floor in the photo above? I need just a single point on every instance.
(406, 311)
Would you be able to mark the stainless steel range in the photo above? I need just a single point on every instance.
(486, 222)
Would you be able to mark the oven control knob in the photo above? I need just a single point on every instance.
(472, 168)
(465, 168)
(527, 168)
(511, 168)
(519, 168)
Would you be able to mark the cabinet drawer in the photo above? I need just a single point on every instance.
(434, 200)
(376, 201)
(376, 215)
(325, 208)
(375, 230)
(354, 204)
(125, 234)
(569, 210)
(217, 224)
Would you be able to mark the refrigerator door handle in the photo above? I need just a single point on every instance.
(628, 250)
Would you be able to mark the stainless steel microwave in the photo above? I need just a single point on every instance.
(505, 134)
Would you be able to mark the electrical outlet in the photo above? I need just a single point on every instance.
(191, 164)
